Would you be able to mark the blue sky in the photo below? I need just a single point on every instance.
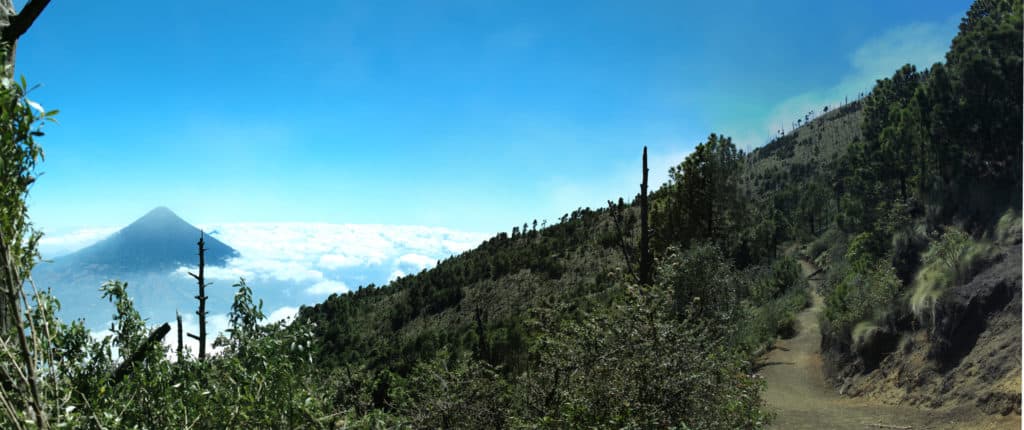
(469, 115)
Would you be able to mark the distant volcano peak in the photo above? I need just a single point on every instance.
(160, 212)
(159, 240)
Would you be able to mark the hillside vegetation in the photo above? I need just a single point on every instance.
(908, 199)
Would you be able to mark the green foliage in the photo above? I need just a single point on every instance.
(21, 121)
(948, 253)
(1008, 228)
(862, 333)
(453, 392)
(864, 174)
(949, 261)
(865, 292)
(537, 329)
(775, 295)
(395, 326)
(270, 383)
(702, 199)
(633, 362)
(639, 365)
(245, 317)
(704, 285)
(822, 243)
(127, 325)
(25, 400)
(944, 141)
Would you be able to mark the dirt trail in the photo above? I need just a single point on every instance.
(798, 393)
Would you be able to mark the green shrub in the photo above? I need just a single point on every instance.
(865, 291)
(451, 391)
(776, 295)
(704, 284)
(638, 366)
(263, 379)
(816, 248)
(767, 284)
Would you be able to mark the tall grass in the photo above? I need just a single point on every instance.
(948, 262)
(1008, 228)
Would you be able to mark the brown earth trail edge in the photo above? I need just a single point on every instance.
(798, 393)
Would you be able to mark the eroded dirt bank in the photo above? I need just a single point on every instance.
(798, 393)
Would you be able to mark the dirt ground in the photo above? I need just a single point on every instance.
(798, 393)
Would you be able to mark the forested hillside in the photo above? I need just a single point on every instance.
(876, 187)
(908, 200)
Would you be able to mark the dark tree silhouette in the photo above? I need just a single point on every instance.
(646, 277)
(202, 299)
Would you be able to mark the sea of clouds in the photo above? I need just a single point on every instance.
(291, 264)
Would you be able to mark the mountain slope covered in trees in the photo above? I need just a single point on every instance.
(908, 199)
(875, 188)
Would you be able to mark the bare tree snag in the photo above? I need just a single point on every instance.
(646, 276)
(181, 344)
(202, 298)
(128, 364)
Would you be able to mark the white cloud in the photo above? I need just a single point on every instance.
(323, 288)
(291, 264)
(217, 273)
(336, 261)
(920, 44)
(418, 261)
(216, 324)
(284, 313)
(55, 245)
(321, 254)
(395, 274)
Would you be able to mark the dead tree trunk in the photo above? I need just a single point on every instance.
(646, 275)
(128, 364)
(202, 299)
(181, 343)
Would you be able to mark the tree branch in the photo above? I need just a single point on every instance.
(154, 338)
(20, 23)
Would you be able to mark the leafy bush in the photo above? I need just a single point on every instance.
(264, 379)
(453, 392)
(822, 243)
(704, 285)
(866, 290)
(776, 295)
(639, 365)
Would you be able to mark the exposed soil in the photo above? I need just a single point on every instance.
(802, 399)
(971, 357)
